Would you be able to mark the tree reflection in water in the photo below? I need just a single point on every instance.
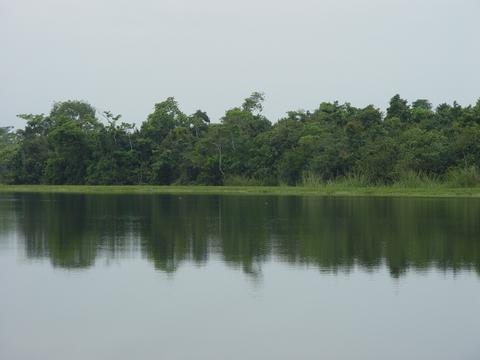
(332, 234)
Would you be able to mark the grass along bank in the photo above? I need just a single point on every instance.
(438, 190)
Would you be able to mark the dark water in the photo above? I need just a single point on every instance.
(231, 277)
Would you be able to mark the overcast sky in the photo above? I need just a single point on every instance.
(125, 55)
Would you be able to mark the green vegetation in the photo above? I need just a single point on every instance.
(335, 146)
(329, 189)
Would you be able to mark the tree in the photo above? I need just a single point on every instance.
(70, 145)
(198, 123)
(171, 162)
(67, 163)
(399, 108)
(80, 112)
(254, 103)
(8, 155)
(114, 154)
(423, 104)
(33, 149)
(423, 151)
(165, 117)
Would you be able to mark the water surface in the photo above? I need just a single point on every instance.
(238, 277)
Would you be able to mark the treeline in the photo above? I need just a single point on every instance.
(336, 142)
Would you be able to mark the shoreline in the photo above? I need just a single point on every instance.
(327, 190)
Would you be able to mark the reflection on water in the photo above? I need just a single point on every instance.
(325, 291)
(332, 234)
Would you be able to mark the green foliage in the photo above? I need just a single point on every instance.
(412, 179)
(423, 151)
(239, 180)
(399, 109)
(353, 179)
(463, 177)
(254, 103)
(69, 154)
(165, 118)
(8, 155)
(290, 167)
(334, 144)
(310, 179)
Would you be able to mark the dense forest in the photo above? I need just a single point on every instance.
(74, 144)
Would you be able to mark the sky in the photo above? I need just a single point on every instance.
(125, 56)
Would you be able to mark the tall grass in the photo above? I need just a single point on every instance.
(454, 178)
(463, 177)
(310, 179)
(353, 179)
(408, 180)
(414, 179)
(313, 180)
(239, 180)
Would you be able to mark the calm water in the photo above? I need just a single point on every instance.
(231, 277)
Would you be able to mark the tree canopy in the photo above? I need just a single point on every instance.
(74, 144)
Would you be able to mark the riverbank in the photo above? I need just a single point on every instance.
(326, 190)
